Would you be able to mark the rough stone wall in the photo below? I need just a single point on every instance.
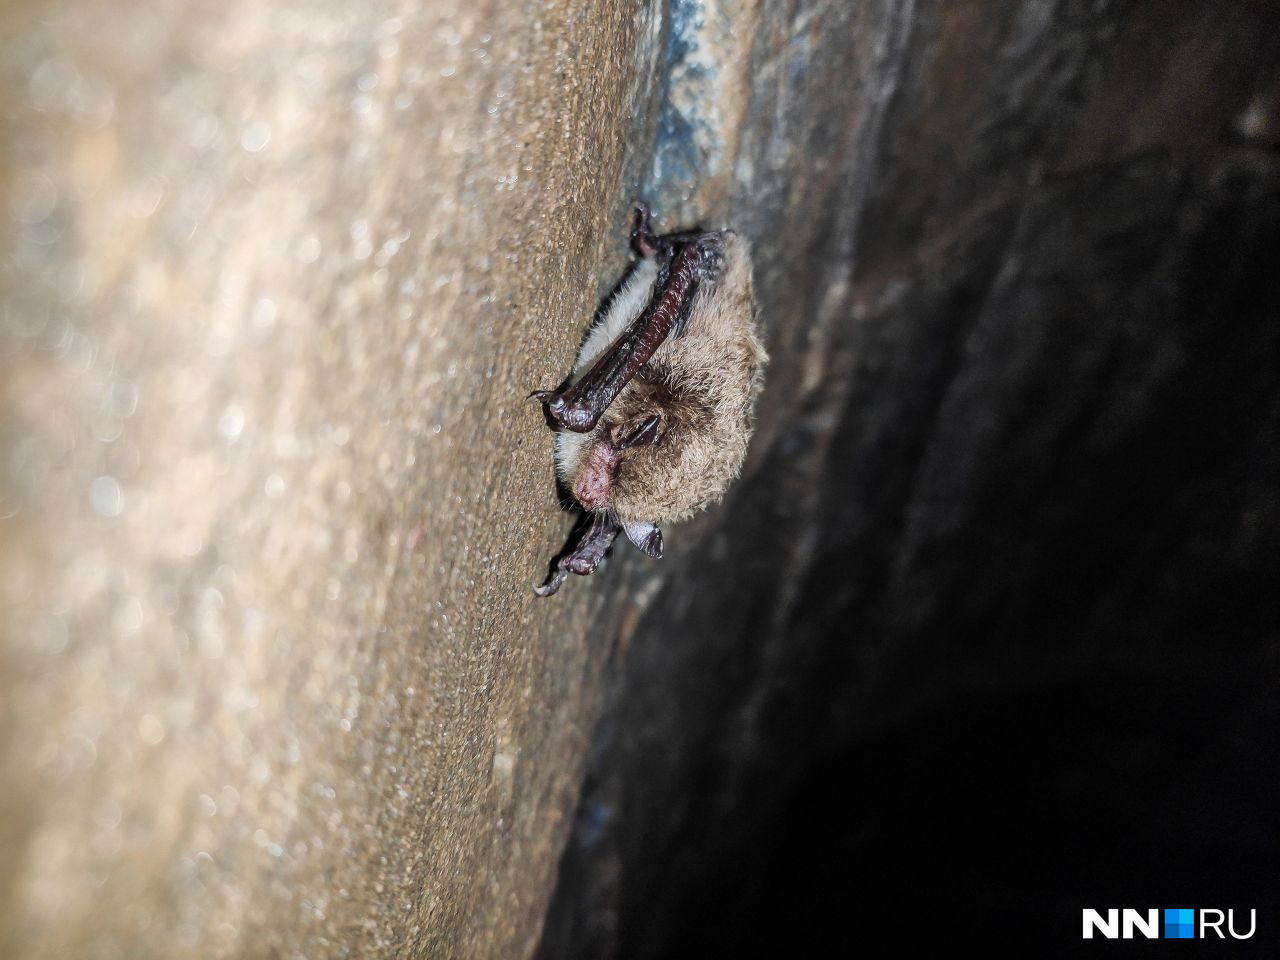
(278, 278)
(276, 281)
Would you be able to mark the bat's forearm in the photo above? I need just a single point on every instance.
(580, 407)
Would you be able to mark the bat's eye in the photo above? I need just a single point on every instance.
(637, 433)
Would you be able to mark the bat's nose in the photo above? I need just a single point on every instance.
(592, 488)
(594, 482)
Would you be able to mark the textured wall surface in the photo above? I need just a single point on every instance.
(277, 279)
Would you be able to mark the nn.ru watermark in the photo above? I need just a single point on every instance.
(1178, 924)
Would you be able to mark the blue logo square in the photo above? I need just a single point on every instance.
(1180, 924)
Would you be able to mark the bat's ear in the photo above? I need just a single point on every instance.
(646, 536)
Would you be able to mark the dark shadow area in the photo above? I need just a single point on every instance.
(994, 820)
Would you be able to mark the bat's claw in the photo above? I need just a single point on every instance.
(553, 583)
(554, 402)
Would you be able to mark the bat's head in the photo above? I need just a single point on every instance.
(676, 434)
(659, 454)
(600, 467)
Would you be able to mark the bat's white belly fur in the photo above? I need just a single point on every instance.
(627, 304)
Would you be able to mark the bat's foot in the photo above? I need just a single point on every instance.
(586, 557)
(643, 240)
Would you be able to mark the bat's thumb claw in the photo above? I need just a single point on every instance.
(549, 397)
(554, 402)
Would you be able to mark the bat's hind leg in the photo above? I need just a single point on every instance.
(586, 556)
(648, 244)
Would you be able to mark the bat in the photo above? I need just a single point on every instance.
(655, 423)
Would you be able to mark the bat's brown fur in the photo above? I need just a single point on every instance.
(702, 385)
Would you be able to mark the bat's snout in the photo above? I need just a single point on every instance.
(594, 483)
